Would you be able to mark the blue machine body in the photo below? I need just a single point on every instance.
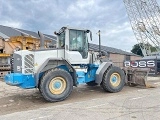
(27, 81)
(20, 80)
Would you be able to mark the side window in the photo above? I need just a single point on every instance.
(62, 40)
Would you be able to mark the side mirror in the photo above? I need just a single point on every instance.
(88, 31)
(55, 32)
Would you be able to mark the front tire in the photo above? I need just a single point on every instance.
(113, 80)
(56, 85)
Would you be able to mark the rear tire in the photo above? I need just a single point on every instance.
(113, 79)
(56, 85)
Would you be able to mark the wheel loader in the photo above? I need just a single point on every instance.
(56, 71)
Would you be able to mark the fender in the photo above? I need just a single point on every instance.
(55, 62)
(100, 71)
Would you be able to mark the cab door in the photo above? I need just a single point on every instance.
(76, 48)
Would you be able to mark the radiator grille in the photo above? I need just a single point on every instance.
(29, 63)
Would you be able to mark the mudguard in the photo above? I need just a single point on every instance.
(58, 62)
(100, 71)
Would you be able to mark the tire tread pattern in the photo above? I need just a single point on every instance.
(106, 82)
(43, 86)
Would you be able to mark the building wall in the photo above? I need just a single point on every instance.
(136, 57)
(119, 59)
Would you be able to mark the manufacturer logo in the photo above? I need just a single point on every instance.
(18, 68)
(140, 63)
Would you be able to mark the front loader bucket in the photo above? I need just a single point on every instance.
(136, 76)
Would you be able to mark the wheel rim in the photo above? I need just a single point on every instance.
(115, 79)
(57, 85)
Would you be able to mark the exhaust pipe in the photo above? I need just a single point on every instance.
(41, 40)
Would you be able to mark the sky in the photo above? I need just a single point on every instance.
(48, 16)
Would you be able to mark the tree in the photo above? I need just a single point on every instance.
(137, 50)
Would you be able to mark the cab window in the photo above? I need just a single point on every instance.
(78, 42)
(62, 40)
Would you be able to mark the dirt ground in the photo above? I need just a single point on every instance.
(14, 99)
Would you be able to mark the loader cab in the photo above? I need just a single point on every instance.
(75, 44)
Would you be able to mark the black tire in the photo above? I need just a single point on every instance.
(56, 85)
(92, 83)
(113, 80)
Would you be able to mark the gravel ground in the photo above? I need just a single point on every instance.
(85, 103)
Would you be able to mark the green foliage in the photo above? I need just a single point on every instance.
(137, 50)
(153, 49)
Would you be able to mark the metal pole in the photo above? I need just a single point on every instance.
(99, 42)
